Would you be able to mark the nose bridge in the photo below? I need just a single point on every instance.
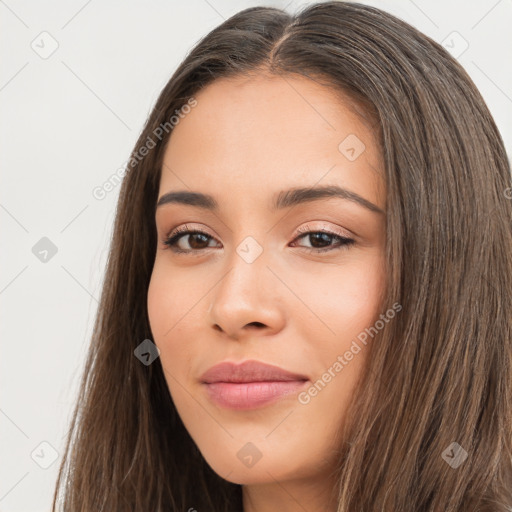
(245, 294)
(247, 270)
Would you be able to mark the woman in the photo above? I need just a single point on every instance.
(307, 300)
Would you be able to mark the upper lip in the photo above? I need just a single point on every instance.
(248, 371)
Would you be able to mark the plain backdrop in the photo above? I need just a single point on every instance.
(77, 82)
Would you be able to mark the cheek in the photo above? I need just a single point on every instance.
(163, 313)
(157, 304)
(360, 298)
(169, 296)
(346, 300)
(171, 316)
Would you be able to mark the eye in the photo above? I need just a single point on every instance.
(199, 240)
(324, 237)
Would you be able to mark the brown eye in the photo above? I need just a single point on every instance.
(197, 240)
(321, 241)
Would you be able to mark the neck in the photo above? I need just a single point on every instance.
(290, 496)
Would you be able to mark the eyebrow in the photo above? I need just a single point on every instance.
(284, 199)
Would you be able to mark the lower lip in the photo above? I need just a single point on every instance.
(250, 395)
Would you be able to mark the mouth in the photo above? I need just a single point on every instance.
(250, 385)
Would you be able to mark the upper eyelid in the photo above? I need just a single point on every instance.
(322, 229)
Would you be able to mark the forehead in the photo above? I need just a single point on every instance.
(252, 136)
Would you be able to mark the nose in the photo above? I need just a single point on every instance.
(246, 301)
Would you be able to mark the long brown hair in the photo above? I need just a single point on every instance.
(439, 373)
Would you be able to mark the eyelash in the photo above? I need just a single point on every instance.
(171, 240)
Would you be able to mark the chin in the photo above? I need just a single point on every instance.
(240, 469)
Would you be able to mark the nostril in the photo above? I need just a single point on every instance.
(256, 324)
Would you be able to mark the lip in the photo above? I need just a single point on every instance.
(248, 371)
(250, 385)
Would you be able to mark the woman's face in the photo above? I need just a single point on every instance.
(256, 286)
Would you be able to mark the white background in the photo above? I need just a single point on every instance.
(69, 122)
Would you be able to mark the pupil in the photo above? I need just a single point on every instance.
(320, 236)
(194, 245)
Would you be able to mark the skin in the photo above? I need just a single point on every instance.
(246, 140)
